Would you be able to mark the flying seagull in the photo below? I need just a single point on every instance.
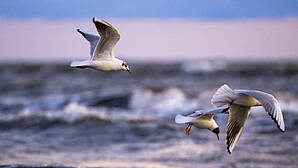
(202, 119)
(102, 49)
(240, 102)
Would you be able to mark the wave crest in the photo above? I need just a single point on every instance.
(163, 104)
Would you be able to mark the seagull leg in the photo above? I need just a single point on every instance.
(188, 128)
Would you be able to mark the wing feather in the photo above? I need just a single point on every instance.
(270, 104)
(92, 38)
(109, 38)
(208, 113)
(237, 118)
(223, 96)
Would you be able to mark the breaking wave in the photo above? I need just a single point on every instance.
(144, 105)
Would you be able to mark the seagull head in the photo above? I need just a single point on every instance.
(216, 131)
(125, 67)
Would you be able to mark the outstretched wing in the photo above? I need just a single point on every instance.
(92, 38)
(109, 36)
(237, 118)
(208, 113)
(203, 114)
(270, 104)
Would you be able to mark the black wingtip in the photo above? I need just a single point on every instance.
(282, 130)
(228, 146)
(83, 34)
(93, 19)
(278, 126)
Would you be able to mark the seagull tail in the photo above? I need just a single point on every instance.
(223, 96)
(180, 119)
(79, 64)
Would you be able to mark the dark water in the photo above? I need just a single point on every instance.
(51, 115)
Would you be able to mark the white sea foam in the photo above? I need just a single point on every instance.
(288, 102)
(145, 104)
(161, 104)
(71, 113)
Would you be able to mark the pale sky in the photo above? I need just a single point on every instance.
(163, 30)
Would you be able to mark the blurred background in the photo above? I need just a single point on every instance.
(180, 52)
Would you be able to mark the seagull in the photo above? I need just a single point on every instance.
(202, 119)
(102, 49)
(239, 103)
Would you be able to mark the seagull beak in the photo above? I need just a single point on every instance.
(216, 131)
(129, 71)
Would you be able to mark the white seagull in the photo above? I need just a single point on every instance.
(202, 119)
(240, 102)
(102, 49)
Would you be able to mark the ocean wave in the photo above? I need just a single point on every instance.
(72, 114)
(163, 104)
(288, 102)
(145, 105)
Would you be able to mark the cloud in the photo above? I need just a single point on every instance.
(152, 40)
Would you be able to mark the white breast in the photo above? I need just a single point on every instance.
(106, 65)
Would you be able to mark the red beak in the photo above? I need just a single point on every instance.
(129, 71)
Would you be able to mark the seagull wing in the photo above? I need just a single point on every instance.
(270, 104)
(203, 114)
(208, 114)
(109, 36)
(237, 118)
(223, 96)
(92, 38)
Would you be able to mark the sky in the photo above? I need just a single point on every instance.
(160, 9)
(156, 30)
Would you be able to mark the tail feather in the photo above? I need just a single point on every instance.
(180, 119)
(223, 96)
(79, 64)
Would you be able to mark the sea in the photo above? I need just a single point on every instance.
(55, 116)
